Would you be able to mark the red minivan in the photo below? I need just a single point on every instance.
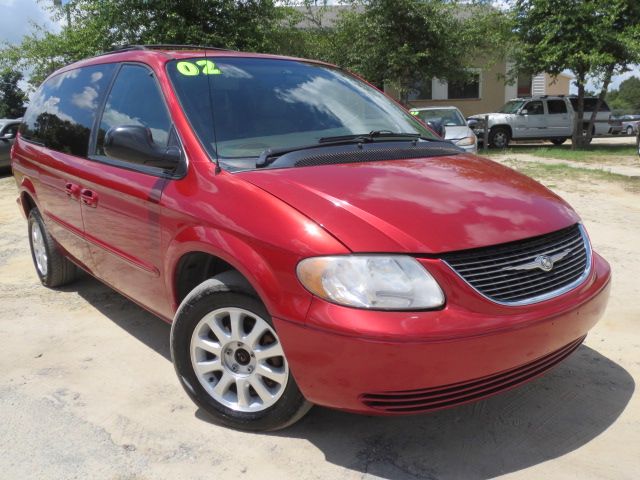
(310, 241)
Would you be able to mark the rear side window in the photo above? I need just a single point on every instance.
(590, 105)
(556, 107)
(63, 111)
(135, 99)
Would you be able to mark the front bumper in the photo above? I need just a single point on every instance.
(408, 362)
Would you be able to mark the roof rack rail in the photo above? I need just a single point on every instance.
(160, 46)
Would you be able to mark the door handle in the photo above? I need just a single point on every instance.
(71, 189)
(89, 198)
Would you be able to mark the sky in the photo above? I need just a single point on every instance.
(17, 16)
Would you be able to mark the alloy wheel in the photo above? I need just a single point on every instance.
(238, 359)
(39, 248)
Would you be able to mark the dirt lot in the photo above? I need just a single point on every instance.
(87, 389)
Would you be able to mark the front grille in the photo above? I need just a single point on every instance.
(429, 399)
(511, 273)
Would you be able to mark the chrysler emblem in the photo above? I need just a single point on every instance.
(543, 262)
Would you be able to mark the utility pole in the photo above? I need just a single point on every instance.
(65, 5)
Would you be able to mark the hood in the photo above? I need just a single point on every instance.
(494, 116)
(457, 132)
(425, 205)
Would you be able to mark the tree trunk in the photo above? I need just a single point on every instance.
(605, 86)
(577, 139)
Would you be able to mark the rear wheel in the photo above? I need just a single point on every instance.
(499, 137)
(629, 130)
(52, 267)
(230, 360)
(558, 141)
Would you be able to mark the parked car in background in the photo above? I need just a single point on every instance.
(615, 125)
(456, 129)
(538, 118)
(629, 124)
(8, 131)
(326, 248)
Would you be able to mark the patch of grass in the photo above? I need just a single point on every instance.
(558, 172)
(592, 153)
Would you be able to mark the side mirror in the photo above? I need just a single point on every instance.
(524, 111)
(8, 136)
(134, 144)
(437, 126)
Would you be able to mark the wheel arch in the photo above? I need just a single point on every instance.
(27, 197)
(199, 253)
(503, 125)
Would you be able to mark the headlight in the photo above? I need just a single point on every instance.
(382, 282)
(466, 141)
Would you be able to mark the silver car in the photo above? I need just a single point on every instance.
(630, 124)
(456, 129)
(8, 131)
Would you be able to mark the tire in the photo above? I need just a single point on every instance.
(584, 133)
(499, 137)
(233, 359)
(558, 141)
(629, 130)
(52, 267)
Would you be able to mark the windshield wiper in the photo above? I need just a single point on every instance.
(270, 155)
(372, 136)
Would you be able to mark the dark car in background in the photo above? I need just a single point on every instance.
(8, 130)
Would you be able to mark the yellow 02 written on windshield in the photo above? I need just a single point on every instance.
(198, 67)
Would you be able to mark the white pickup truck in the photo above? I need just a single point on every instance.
(539, 118)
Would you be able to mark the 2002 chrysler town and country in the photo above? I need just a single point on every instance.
(310, 241)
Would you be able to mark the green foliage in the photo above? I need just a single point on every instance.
(11, 97)
(626, 99)
(591, 38)
(393, 42)
(400, 42)
(96, 26)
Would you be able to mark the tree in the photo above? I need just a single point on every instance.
(591, 38)
(97, 26)
(401, 42)
(12, 98)
(626, 99)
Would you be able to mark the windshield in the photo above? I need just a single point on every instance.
(239, 107)
(511, 107)
(449, 117)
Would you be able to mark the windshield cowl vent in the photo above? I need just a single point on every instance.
(377, 154)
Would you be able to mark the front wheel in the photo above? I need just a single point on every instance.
(499, 137)
(230, 360)
(629, 130)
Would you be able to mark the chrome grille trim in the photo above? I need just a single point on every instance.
(482, 269)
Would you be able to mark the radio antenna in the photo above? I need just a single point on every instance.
(213, 118)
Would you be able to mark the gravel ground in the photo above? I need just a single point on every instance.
(87, 390)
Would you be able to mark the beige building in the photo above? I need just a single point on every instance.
(486, 91)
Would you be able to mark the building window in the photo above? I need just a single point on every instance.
(420, 90)
(524, 85)
(469, 88)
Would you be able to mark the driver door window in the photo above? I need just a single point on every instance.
(534, 108)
